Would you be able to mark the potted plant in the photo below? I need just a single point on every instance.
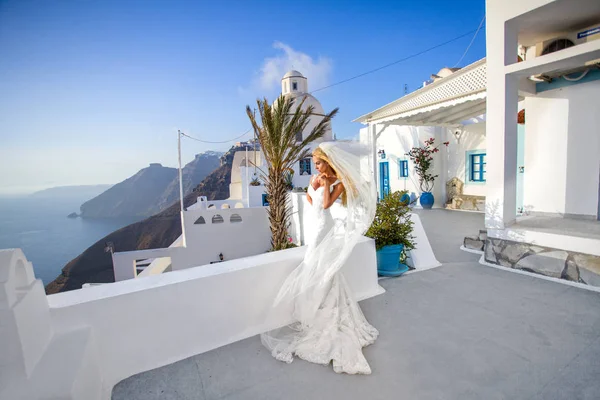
(255, 182)
(392, 231)
(289, 180)
(422, 158)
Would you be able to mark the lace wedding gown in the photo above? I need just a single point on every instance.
(330, 325)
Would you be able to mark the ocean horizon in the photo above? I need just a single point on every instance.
(48, 238)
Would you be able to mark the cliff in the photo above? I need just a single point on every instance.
(158, 231)
(150, 190)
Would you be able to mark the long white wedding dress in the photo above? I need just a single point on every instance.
(330, 325)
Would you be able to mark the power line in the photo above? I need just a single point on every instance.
(398, 61)
(367, 73)
(219, 142)
(472, 40)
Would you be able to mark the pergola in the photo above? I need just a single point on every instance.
(446, 102)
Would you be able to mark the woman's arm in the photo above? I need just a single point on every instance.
(330, 198)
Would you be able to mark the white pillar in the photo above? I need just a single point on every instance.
(444, 155)
(247, 182)
(373, 136)
(501, 125)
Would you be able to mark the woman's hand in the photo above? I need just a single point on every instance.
(322, 179)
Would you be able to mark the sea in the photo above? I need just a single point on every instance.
(48, 238)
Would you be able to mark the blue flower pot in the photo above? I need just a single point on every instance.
(413, 199)
(388, 261)
(405, 198)
(426, 200)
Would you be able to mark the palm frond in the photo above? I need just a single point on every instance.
(276, 134)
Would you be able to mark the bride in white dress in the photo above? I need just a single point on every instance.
(330, 326)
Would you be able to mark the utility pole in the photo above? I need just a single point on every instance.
(181, 188)
(255, 139)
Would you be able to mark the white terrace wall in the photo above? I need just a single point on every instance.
(141, 324)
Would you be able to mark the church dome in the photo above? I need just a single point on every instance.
(309, 100)
(293, 74)
(294, 86)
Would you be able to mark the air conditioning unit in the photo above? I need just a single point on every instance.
(562, 42)
(568, 40)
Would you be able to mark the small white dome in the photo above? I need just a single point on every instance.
(293, 74)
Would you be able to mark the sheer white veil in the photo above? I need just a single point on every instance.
(324, 259)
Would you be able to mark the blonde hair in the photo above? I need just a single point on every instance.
(320, 154)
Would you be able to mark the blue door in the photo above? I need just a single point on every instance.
(384, 179)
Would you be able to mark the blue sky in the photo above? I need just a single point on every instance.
(93, 91)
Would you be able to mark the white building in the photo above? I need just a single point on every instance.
(245, 163)
(450, 108)
(540, 177)
(558, 77)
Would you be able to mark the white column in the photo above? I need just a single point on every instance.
(373, 134)
(247, 182)
(501, 125)
(444, 155)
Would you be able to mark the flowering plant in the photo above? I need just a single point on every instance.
(422, 158)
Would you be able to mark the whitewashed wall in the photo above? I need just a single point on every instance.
(146, 323)
(472, 138)
(562, 150)
(233, 239)
(448, 163)
(204, 242)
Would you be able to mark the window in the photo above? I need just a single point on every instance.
(298, 136)
(477, 167)
(294, 86)
(403, 168)
(305, 166)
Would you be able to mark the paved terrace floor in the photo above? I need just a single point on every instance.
(460, 331)
(561, 226)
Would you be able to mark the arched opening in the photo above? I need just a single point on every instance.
(235, 218)
(224, 206)
(211, 206)
(239, 205)
(557, 45)
(200, 221)
(217, 219)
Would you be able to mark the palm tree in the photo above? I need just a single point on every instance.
(277, 138)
